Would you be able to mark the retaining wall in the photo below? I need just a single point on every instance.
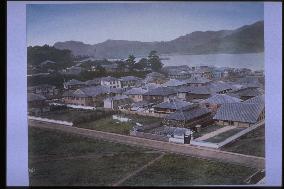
(51, 120)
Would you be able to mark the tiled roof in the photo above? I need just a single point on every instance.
(35, 97)
(195, 90)
(173, 83)
(221, 99)
(108, 78)
(129, 78)
(135, 91)
(93, 81)
(68, 93)
(161, 91)
(120, 97)
(249, 91)
(242, 112)
(47, 61)
(257, 100)
(197, 80)
(173, 104)
(188, 115)
(91, 91)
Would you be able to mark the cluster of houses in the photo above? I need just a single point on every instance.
(182, 97)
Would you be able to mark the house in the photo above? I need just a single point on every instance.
(111, 82)
(74, 70)
(129, 81)
(73, 84)
(37, 104)
(110, 67)
(136, 94)
(170, 106)
(47, 63)
(46, 90)
(155, 77)
(116, 101)
(159, 94)
(93, 82)
(197, 81)
(190, 93)
(173, 83)
(247, 92)
(214, 102)
(179, 74)
(189, 118)
(90, 96)
(203, 72)
(241, 114)
(141, 106)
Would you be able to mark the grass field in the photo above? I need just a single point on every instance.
(206, 130)
(109, 125)
(177, 170)
(223, 136)
(252, 143)
(60, 159)
(66, 115)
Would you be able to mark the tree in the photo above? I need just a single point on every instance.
(131, 61)
(154, 61)
(143, 62)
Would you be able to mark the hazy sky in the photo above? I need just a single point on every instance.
(96, 22)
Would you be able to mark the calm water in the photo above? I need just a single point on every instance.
(254, 61)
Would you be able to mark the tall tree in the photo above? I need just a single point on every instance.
(131, 61)
(154, 61)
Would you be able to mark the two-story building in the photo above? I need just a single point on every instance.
(111, 82)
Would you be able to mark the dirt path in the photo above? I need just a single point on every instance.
(185, 149)
(137, 171)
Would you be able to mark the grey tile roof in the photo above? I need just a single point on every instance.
(161, 91)
(188, 115)
(68, 93)
(93, 81)
(129, 78)
(195, 90)
(241, 112)
(135, 91)
(173, 83)
(257, 100)
(35, 97)
(174, 104)
(109, 78)
(120, 97)
(221, 99)
(140, 104)
(248, 91)
(91, 91)
(197, 80)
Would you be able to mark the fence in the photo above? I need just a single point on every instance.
(51, 120)
(227, 140)
(74, 106)
(144, 113)
(149, 136)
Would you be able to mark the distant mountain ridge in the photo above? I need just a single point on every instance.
(246, 39)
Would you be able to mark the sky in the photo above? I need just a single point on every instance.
(94, 23)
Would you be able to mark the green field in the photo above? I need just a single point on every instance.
(223, 136)
(252, 143)
(59, 159)
(66, 115)
(206, 130)
(177, 170)
(109, 125)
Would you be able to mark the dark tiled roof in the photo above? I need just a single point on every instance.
(197, 80)
(195, 90)
(257, 100)
(47, 62)
(129, 78)
(249, 91)
(161, 91)
(188, 115)
(35, 97)
(173, 104)
(135, 91)
(68, 93)
(173, 83)
(221, 99)
(242, 112)
(109, 78)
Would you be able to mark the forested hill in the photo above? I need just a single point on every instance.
(246, 39)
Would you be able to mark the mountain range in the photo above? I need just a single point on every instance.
(246, 39)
